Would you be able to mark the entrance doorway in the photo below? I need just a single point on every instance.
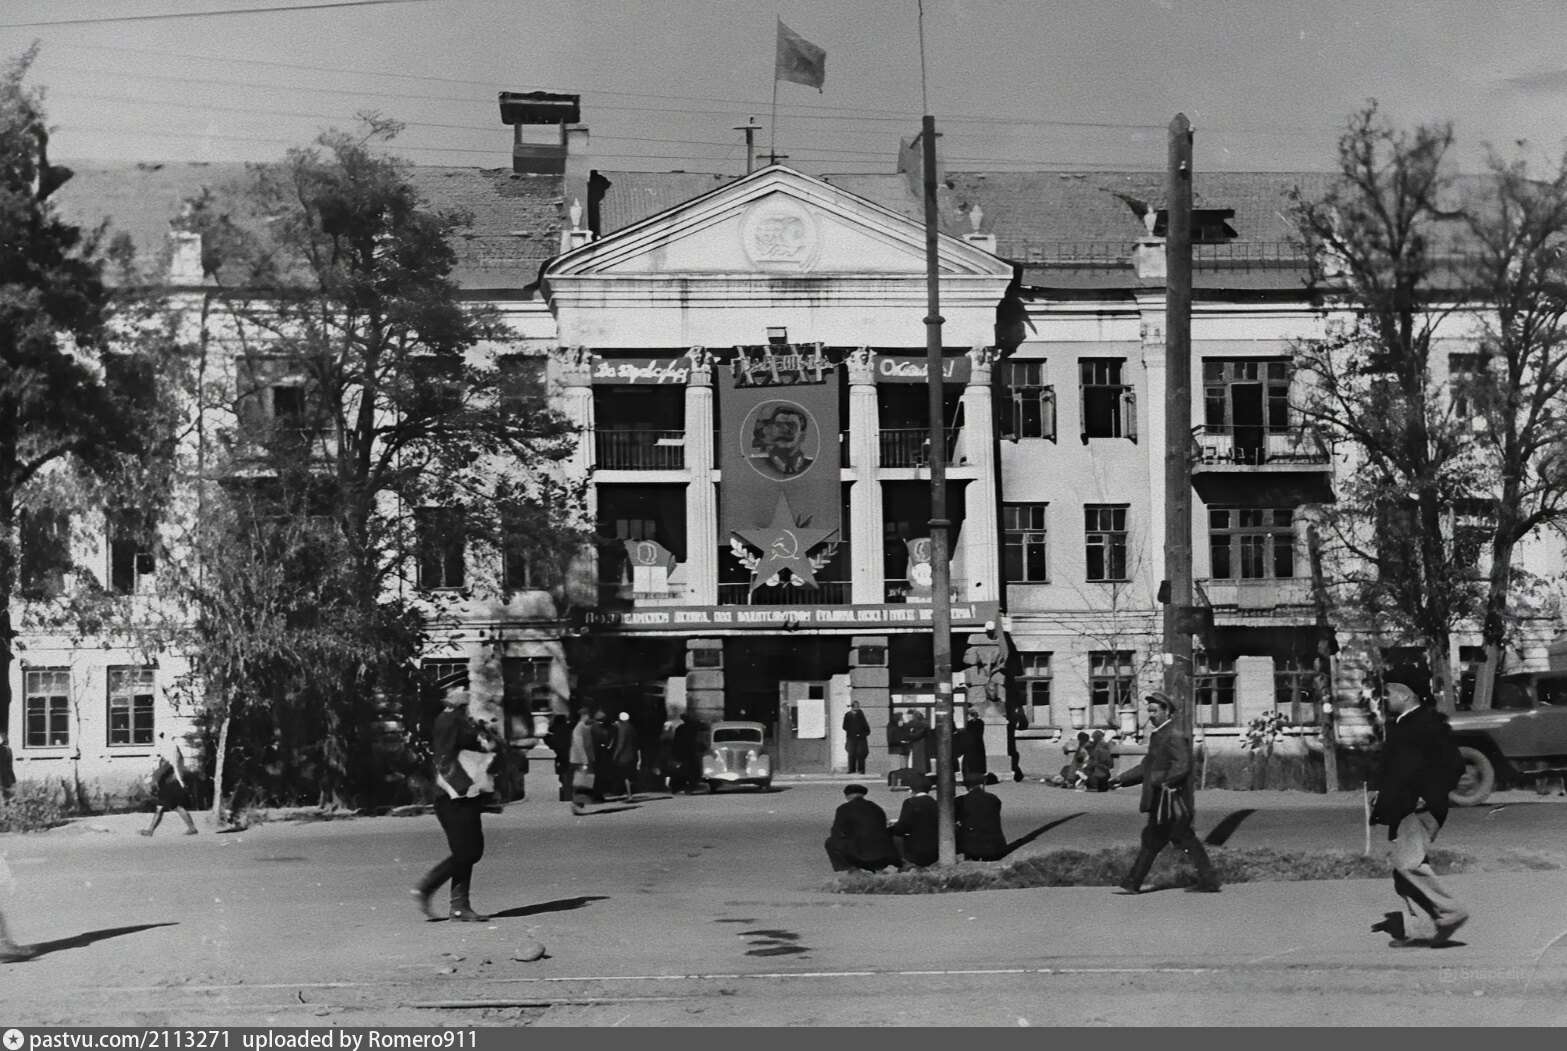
(801, 733)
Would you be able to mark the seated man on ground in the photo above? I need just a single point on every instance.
(859, 838)
(979, 826)
(915, 830)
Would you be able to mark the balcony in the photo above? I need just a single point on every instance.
(1278, 601)
(1228, 447)
(825, 593)
(639, 450)
(910, 446)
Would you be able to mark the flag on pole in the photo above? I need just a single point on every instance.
(799, 60)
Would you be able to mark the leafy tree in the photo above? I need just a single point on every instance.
(1381, 239)
(1517, 389)
(70, 410)
(370, 397)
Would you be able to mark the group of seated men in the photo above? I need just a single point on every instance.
(862, 837)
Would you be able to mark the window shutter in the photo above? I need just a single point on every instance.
(1129, 413)
(1048, 411)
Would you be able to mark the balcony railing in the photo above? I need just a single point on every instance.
(1226, 445)
(1258, 595)
(626, 450)
(910, 446)
(825, 593)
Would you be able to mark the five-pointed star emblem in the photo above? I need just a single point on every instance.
(783, 545)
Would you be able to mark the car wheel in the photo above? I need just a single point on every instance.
(1478, 780)
(712, 787)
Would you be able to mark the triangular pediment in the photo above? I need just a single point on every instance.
(774, 223)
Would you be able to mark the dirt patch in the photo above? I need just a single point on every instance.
(1107, 867)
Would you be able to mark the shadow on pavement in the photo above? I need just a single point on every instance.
(559, 905)
(1026, 839)
(608, 810)
(77, 941)
(1226, 828)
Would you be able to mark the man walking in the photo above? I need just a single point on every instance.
(1168, 799)
(857, 731)
(1420, 766)
(859, 838)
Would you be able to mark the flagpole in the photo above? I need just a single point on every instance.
(772, 125)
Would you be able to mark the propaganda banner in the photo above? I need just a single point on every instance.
(779, 453)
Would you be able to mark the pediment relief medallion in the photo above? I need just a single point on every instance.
(779, 233)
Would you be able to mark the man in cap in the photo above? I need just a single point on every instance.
(859, 838)
(917, 823)
(1168, 799)
(462, 750)
(1420, 766)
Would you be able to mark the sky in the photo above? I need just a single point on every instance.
(1013, 84)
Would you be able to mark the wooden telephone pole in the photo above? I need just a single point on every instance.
(1178, 620)
(750, 127)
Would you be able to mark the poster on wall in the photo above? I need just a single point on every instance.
(780, 497)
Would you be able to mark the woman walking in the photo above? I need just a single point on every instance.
(169, 783)
(463, 754)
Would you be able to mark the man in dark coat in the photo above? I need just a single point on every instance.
(1168, 799)
(1101, 762)
(920, 744)
(857, 731)
(979, 825)
(558, 739)
(625, 756)
(7, 770)
(972, 751)
(686, 752)
(915, 828)
(859, 838)
(1420, 766)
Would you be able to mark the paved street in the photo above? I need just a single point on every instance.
(709, 910)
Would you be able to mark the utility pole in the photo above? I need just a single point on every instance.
(941, 570)
(750, 127)
(1178, 619)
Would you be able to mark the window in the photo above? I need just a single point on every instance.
(1474, 524)
(520, 384)
(45, 537)
(435, 674)
(526, 568)
(130, 705)
(442, 542)
(525, 685)
(1109, 409)
(132, 564)
(1251, 543)
(1295, 690)
(1470, 658)
(1029, 410)
(1463, 373)
(1395, 533)
(434, 386)
(1110, 683)
(1034, 687)
(1246, 393)
(1026, 542)
(1213, 687)
(1105, 526)
(47, 711)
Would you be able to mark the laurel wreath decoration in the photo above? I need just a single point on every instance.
(819, 560)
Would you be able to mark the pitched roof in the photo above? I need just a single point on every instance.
(514, 228)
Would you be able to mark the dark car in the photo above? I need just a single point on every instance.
(1522, 737)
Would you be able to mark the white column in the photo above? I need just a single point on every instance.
(576, 404)
(1151, 431)
(701, 492)
(865, 512)
(981, 531)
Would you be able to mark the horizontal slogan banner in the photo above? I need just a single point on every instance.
(681, 618)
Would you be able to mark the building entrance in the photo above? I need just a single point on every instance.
(802, 732)
(785, 683)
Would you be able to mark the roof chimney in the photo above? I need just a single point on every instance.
(537, 151)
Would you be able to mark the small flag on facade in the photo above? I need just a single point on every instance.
(799, 60)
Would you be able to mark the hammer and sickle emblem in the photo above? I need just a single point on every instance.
(787, 545)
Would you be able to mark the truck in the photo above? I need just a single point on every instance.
(1522, 738)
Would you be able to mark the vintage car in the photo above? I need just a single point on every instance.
(736, 755)
(1523, 737)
